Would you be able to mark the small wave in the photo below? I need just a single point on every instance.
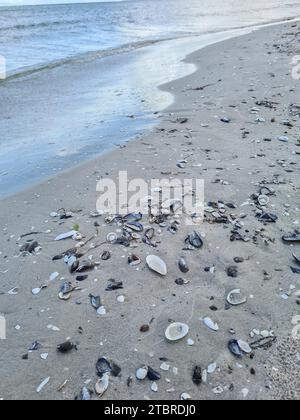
(39, 25)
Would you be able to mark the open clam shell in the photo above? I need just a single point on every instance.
(176, 331)
(234, 298)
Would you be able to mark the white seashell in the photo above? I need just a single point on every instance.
(53, 328)
(13, 291)
(234, 301)
(111, 237)
(265, 334)
(204, 376)
(176, 331)
(36, 291)
(71, 260)
(244, 346)
(156, 264)
(141, 373)
(263, 200)
(165, 367)
(101, 311)
(66, 235)
(154, 387)
(190, 342)
(210, 324)
(218, 390)
(185, 396)
(121, 299)
(102, 384)
(212, 368)
(64, 297)
(53, 276)
(42, 385)
(44, 356)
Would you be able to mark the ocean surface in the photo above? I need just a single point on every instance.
(77, 72)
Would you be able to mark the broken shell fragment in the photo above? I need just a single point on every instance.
(176, 331)
(133, 260)
(141, 373)
(233, 298)
(66, 235)
(210, 324)
(156, 264)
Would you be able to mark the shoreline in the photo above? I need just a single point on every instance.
(68, 159)
(216, 152)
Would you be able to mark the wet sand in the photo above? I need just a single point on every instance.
(235, 160)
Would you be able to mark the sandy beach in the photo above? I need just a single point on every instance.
(233, 123)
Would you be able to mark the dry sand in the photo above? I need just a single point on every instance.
(242, 71)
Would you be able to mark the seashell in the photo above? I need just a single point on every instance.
(66, 347)
(133, 260)
(154, 387)
(235, 301)
(74, 266)
(190, 342)
(132, 218)
(176, 331)
(44, 356)
(66, 235)
(296, 258)
(64, 296)
(235, 349)
(36, 291)
(197, 375)
(183, 267)
(32, 247)
(194, 240)
(148, 236)
(156, 264)
(165, 367)
(85, 394)
(121, 299)
(53, 276)
(141, 373)
(101, 311)
(185, 396)
(66, 288)
(292, 238)
(85, 266)
(42, 385)
(102, 384)
(153, 375)
(95, 301)
(212, 368)
(13, 291)
(210, 324)
(103, 366)
(263, 200)
(135, 226)
(81, 278)
(245, 347)
(114, 285)
(106, 255)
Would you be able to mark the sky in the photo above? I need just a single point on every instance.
(23, 2)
